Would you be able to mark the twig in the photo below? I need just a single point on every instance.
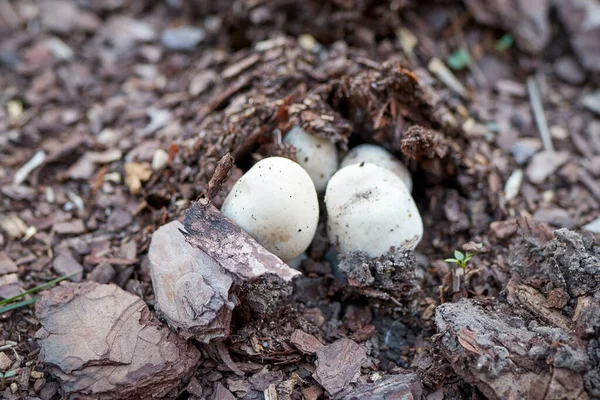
(28, 167)
(446, 76)
(220, 175)
(7, 346)
(119, 261)
(586, 179)
(478, 74)
(223, 96)
(538, 113)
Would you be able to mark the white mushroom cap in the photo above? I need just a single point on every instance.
(369, 208)
(370, 153)
(316, 155)
(276, 203)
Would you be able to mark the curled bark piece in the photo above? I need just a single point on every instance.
(195, 269)
(191, 289)
(102, 342)
(229, 245)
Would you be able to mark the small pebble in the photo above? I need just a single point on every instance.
(555, 216)
(524, 149)
(103, 273)
(544, 164)
(160, 159)
(592, 102)
(593, 226)
(182, 38)
(37, 374)
(513, 185)
(567, 70)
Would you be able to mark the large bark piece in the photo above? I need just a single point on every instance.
(198, 267)
(504, 358)
(559, 281)
(102, 342)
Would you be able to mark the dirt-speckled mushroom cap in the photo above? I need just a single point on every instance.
(370, 153)
(369, 208)
(316, 155)
(276, 203)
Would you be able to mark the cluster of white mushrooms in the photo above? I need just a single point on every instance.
(367, 196)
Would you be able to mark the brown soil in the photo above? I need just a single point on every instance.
(92, 85)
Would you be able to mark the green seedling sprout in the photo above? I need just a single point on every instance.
(461, 258)
(504, 43)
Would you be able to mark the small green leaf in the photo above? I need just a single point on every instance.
(459, 60)
(494, 127)
(10, 374)
(451, 260)
(505, 42)
(459, 255)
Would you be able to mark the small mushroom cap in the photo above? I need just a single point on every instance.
(316, 155)
(370, 153)
(369, 208)
(276, 203)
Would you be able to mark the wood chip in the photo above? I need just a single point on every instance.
(338, 364)
(136, 174)
(64, 264)
(5, 362)
(305, 342)
(240, 66)
(221, 393)
(74, 226)
(7, 265)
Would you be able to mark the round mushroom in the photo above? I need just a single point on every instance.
(369, 208)
(276, 203)
(316, 155)
(370, 153)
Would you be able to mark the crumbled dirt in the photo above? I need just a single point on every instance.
(107, 134)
